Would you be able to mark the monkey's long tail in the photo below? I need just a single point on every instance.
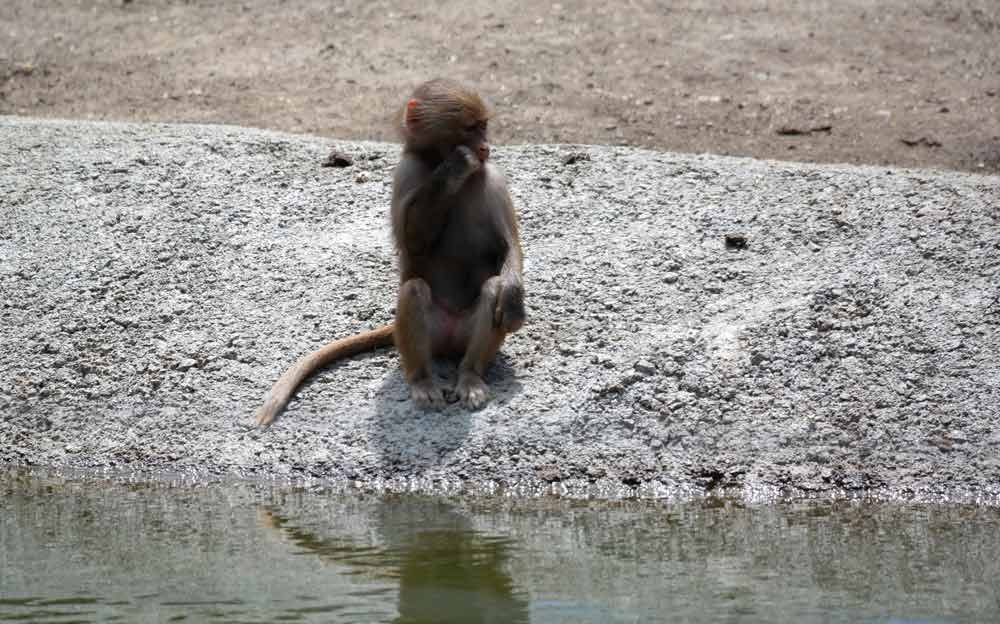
(283, 389)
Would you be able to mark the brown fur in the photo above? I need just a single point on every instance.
(282, 390)
(461, 290)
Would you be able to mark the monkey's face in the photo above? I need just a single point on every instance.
(474, 136)
(460, 127)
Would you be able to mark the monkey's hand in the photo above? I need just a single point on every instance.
(509, 312)
(461, 163)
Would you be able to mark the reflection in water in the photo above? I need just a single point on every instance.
(91, 550)
(447, 573)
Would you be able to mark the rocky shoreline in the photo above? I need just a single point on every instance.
(695, 322)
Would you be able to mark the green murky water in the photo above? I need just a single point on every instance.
(83, 549)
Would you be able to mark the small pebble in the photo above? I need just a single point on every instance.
(645, 367)
(338, 159)
(736, 241)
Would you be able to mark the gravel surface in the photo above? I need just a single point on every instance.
(695, 322)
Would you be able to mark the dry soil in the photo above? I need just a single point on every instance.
(896, 82)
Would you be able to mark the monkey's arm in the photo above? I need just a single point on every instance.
(511, 269)
(505, 222)
(510, 304)
(420, 201)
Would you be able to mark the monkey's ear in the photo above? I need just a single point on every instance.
(411, 115)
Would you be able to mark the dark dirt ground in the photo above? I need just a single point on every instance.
(913, 83)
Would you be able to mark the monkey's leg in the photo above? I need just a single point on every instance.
(484, 341)
(414, 320)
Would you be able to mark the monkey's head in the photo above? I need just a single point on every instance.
(441, 115)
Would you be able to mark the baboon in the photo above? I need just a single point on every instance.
(461, 289)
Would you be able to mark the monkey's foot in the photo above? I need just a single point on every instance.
(472, 391)
(426, 394)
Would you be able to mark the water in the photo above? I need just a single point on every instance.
(84, 549)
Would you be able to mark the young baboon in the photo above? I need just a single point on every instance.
(460, 285)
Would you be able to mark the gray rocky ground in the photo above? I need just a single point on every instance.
(156, 279)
